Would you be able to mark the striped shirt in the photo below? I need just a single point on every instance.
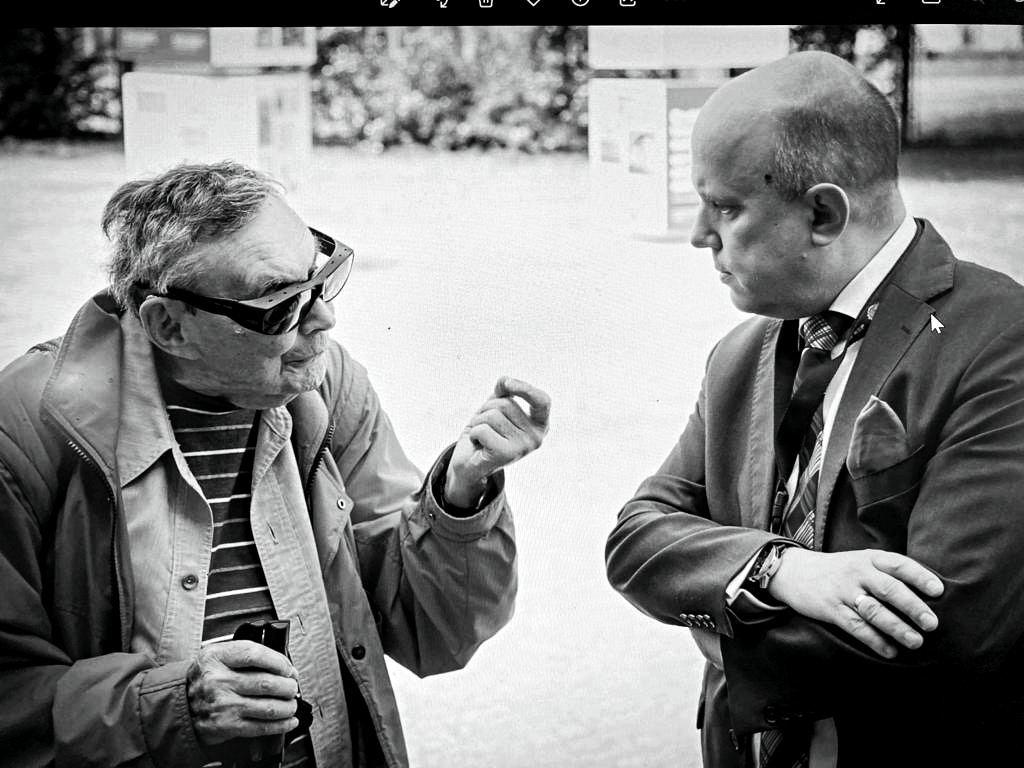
(218, 442)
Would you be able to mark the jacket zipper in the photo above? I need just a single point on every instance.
(115, 569)
(317, 463)
(375, 719)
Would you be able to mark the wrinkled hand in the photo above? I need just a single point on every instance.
(241, 689)
(499, 433)
(856, 591)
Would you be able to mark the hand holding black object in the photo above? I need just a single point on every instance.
(243, 695)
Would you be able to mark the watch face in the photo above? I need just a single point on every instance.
(765, 565)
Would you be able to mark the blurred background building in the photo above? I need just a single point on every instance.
(522, 88)
(624, 94)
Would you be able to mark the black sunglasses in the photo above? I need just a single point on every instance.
(282, 311)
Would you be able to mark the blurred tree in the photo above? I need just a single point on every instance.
(523, 88)
(452, 87)
(53, 86)
(881, 51)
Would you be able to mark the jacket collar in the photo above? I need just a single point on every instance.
(104, 394)
(927, 268)
(83, 392)
(922, 274)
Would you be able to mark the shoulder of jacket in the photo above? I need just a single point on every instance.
(347, 381)
(31, 449)
(23, 380)
(744, 339)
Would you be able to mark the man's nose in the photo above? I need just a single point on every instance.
(320, 317)
(702, 235)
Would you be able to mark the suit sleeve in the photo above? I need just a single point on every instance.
(440, 585)
(966, 525)
(666, 555)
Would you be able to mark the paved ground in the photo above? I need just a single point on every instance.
(470, 266)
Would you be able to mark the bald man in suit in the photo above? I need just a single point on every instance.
(841, 523)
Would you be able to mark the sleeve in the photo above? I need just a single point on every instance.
(440, 584)
(111, 709)
(965, 525)
(666, 555)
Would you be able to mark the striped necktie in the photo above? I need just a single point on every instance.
(819, 334)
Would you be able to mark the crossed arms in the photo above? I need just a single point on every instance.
(876, 616)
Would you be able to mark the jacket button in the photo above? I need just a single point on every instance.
(358, 652)
(341, 503)
(190, 582)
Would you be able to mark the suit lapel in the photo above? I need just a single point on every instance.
(925, 271)
(763, 418)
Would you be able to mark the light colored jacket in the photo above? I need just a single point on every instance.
(400, 576)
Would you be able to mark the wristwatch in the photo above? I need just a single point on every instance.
(766, 564)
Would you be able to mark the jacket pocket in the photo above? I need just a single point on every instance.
(886, 497)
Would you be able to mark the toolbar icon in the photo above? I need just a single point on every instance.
(580, 3)
(627, 3)
(486, 3)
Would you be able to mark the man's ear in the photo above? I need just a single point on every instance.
(161, 320)
(830, 212)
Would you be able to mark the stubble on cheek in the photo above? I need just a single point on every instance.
(306, 376)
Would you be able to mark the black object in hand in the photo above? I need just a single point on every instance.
(266, 751)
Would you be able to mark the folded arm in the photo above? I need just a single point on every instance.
(964, 527)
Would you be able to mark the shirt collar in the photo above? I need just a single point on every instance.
(855, 295)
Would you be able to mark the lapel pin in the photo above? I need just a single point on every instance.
(937, 325)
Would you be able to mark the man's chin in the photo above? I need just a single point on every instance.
(742, 301)
(313, 373)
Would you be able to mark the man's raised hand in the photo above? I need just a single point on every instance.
(499, 433)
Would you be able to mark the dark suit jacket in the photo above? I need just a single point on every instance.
(955, 504)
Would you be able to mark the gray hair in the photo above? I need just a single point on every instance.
(155, 225)
(852, 140)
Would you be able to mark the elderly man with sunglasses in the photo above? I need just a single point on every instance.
(196, 466)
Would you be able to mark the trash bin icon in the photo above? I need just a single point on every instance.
(486, 3)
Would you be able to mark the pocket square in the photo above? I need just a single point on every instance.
(879, 439)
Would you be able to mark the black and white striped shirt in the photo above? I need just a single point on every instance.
(218, 442)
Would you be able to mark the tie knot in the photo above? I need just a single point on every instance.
(823, 331)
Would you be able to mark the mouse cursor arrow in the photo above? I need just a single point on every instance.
(936, 325)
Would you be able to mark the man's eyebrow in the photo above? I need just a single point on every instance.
(260, 286)
(263, 286)
(312, 265)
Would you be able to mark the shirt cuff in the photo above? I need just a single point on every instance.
(462, 524)
(751, 606)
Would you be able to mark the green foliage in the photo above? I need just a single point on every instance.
(452, 87)
(523, 88)
(50, 89)
(876, 49)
